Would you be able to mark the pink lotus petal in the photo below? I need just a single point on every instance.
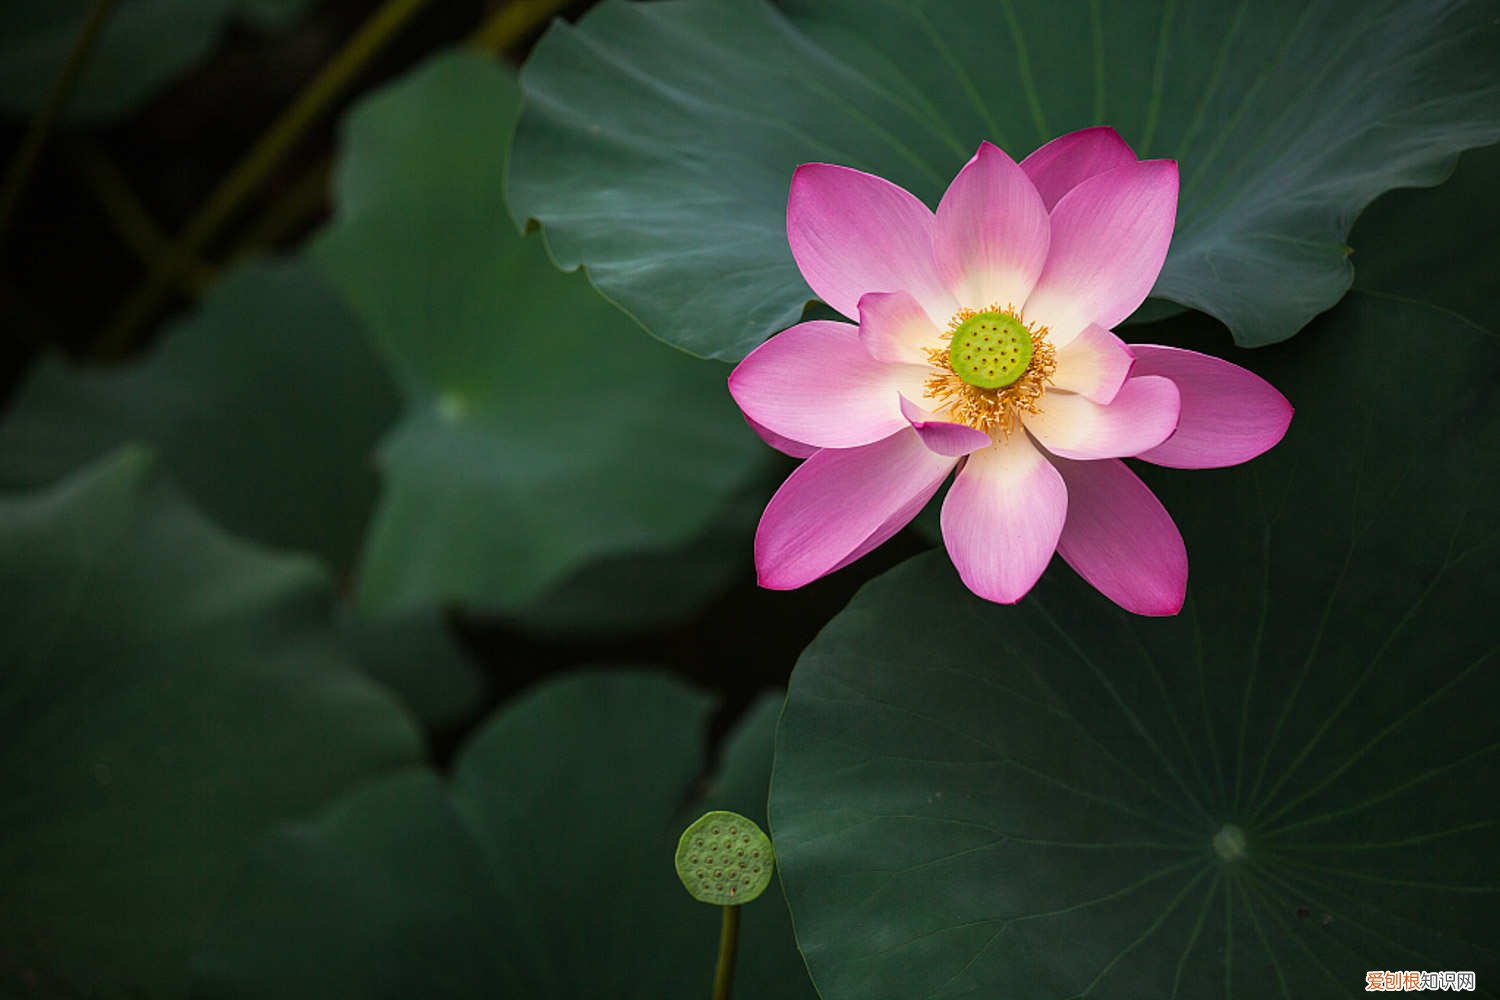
(785, 445)
(815, 383)
(1065, 162)
(1002, 518)
(992, 232)
(1142, 415)
(1095, 364)
(886, 531)
(837, 501)
(852, 233)
(895, 328)
(943, 437)
(1109, 239)
(1229, 415)
(1121, 539)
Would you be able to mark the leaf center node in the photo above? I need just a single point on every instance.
(1229, 843)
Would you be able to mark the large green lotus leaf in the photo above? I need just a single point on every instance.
(144, 45)
(266, 405)
(1285, 786)
(1438, 245)
(659, 139)
(168, 694)
(418, 656)
(541, 433)
(542, 870)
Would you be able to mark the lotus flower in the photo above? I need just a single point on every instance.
(984, 343)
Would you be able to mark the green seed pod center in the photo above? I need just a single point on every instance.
(724, 859)
(990, 350)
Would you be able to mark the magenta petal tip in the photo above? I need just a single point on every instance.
(943, 437)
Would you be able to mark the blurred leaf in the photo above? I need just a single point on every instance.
(544, 869)
(659, 139)
(144, 45)
(271, 15)
(642, 591)
(168, 694)
(1440, 245)
(265, 404)
(1032, 802)
(542, 432)
(417, 655)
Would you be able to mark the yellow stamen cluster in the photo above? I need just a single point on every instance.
(993, 411)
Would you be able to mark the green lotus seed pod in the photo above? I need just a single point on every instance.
(990, 350)
(724, 859)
